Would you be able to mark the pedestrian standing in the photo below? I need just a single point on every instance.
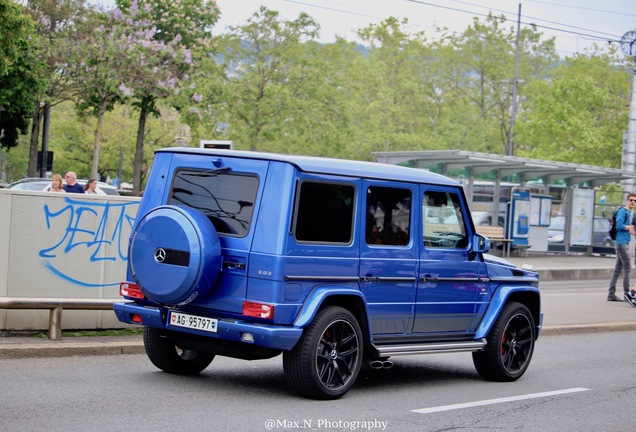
(621, 244)
(71, 183)
(56, 184)
(91, 186)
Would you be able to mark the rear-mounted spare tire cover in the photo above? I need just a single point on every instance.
(175, 255)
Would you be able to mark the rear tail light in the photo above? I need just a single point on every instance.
(127, 289)
(258, 310)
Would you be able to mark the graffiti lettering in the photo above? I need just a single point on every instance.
(91, 234)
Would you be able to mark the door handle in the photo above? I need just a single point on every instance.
(234, 265)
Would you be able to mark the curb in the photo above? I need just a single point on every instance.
(587, 328)
(56, 349)
(574, 274)
(63, 349)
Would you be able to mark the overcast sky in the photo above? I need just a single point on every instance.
(581, 22)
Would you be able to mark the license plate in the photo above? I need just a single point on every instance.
(179, 319)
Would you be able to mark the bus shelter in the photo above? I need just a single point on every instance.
(508, 173)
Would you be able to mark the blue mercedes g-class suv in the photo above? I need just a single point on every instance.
(332, 263)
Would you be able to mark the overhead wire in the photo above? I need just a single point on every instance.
(600, 38)
(535, 23)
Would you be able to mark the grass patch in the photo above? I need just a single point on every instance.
(89, 333)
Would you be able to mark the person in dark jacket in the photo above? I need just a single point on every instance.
(71, 183)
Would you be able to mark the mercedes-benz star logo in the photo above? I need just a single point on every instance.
(160, 255)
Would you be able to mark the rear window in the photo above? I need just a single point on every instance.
(227, 199)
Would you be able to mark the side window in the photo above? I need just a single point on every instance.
(388, 220)
(324, 213)
(443, 221)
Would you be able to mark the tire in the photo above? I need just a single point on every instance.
(326, 361)
(168, 357)
(510, 345)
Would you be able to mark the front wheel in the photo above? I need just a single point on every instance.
(168, 357)
(326, 361)
(510, 345)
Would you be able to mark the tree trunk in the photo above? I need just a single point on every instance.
(35, 136)
(139, 148)
(97, 143)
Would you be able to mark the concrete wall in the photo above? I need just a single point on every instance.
(63, 245)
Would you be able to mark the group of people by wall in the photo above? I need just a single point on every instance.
(71, 186)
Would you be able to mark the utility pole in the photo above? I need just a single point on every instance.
(628, 47)
(513, 111)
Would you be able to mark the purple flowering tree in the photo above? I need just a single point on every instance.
(184, 26)
(121, 58)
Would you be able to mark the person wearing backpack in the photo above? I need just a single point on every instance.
(621, 244)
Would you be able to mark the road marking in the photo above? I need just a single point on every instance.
(497, 401)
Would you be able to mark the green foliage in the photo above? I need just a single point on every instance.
(268, 85)
(21, 67)
(579, 115)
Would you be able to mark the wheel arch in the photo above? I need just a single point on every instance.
(526, 295)
(347, 298)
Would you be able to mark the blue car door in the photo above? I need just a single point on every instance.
(450, 282)
(388, 255)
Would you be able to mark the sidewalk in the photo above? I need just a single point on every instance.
(563, 313)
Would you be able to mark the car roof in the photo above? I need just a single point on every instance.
(314, 164)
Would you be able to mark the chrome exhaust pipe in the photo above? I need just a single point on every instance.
(381, 364)
(376, 364)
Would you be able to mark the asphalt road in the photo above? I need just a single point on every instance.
(577, 383)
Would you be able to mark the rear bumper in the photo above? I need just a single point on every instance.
(268, 336)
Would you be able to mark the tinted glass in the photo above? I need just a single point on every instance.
(388, 220)
(325, 213)
(227, 199)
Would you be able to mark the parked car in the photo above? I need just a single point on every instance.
(330, 263)
(600, 231)
(44, 185)
(485, 218)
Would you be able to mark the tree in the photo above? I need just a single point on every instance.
(52, 18)
(121, 55)
(404, 96)
(266, 73)
(21, 72)
(579, 114)
(482, 68)
(185, 23)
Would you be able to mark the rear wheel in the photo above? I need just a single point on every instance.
(510, 345)
(327, 359)
(168, 357)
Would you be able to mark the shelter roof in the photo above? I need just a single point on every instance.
(527, 169)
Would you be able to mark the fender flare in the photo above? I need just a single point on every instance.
(316, 298)
(499, 300)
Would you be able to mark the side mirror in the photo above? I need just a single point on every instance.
(480, 243)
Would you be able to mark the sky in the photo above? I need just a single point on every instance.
(576, 24)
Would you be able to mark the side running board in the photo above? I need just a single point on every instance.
(430, 348)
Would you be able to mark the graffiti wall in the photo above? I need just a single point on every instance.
(62, 245)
